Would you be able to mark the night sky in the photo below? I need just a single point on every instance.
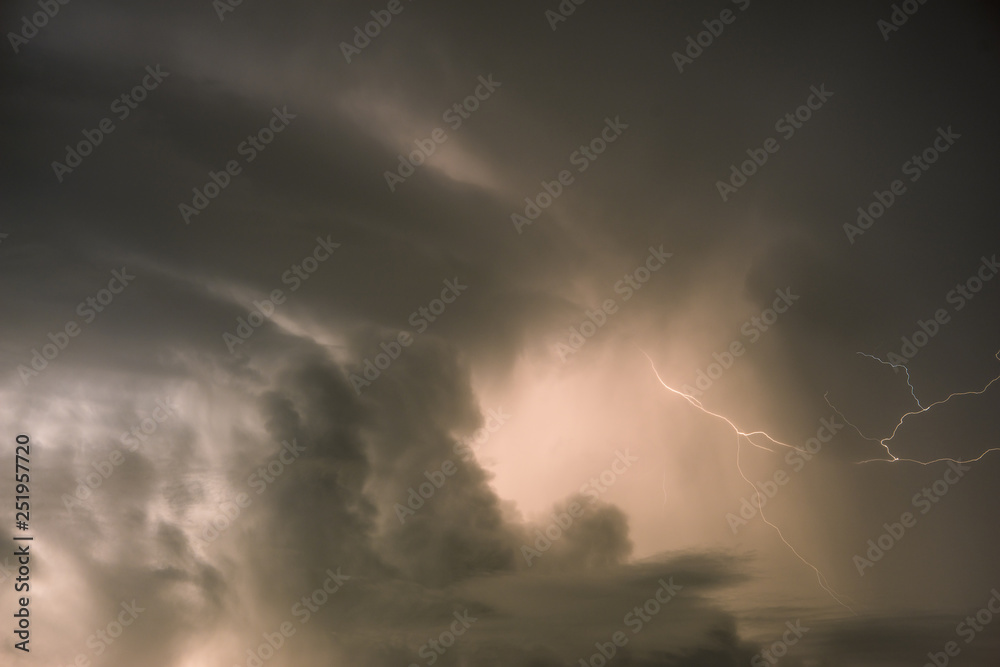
(509, 334)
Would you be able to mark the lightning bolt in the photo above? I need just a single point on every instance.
(913, 392)
(748, 436)
(884, 442)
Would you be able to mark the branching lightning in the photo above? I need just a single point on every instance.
(913, 392)
(740, 435)
(884, 442)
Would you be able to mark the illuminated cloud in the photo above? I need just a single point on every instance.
(202, 456)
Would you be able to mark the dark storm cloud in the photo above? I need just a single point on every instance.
(138, 536)
(183, 132)
(407, 581)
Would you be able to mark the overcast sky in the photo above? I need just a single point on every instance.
(457, 309)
